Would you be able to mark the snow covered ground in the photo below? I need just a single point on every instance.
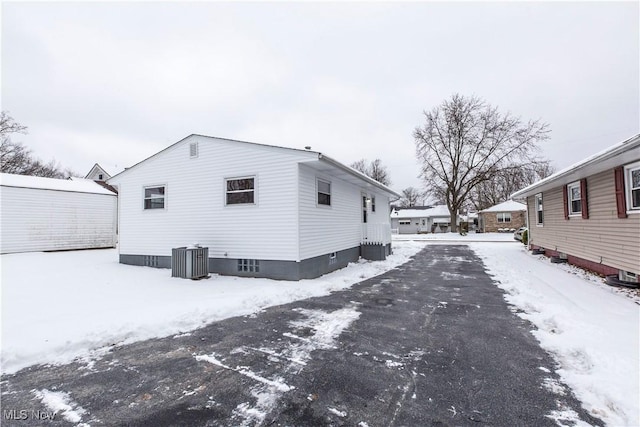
(592, 330)
(455, 237)
(61, 305)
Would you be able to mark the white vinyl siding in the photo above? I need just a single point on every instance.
(46, 220)
(605, 238)
(324, 231)
(198, 214)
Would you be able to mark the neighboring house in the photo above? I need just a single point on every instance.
(263, 211)
(509, 215)
(590, 212)
(47, 214)
(418, 219)
(97, 173)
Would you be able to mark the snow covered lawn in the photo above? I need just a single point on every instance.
(592, 330)
(63, 305)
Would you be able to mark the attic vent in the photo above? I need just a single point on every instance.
(193, 150)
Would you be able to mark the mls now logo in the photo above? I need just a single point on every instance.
(23, 414)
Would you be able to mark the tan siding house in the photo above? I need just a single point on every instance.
(590, 212)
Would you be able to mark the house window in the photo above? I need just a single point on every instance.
(404, 222)
(100, 177)
(154, 197)
(632, 185)
(249, 265)
(574, 198)
(364, 209)
(373, 204)
(504, 217)
(324, 192)
(539, 210)
(240, 191)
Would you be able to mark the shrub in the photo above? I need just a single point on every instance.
(525, 237)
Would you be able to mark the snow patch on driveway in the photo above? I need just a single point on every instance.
(61, 403)
(591, 330)
(322, 329)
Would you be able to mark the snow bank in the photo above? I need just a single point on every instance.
(592, 330)
(59, 306)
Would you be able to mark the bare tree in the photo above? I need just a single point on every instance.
(506, 182)
(374, 169)
(465, 142)
(17, 159)
(410, 197)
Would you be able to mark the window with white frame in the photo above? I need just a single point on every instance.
(504, 216)
(632, 186)
(324, 192)
(240, 190)
(539, 209)
(574, 198)
(154, 197)
(373, 203)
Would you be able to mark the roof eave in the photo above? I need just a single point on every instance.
(591, 166)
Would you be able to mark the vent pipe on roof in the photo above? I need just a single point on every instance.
(308, 147)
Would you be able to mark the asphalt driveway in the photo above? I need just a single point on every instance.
(429, 343)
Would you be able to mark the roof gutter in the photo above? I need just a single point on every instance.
(357, 174)
(614, 151)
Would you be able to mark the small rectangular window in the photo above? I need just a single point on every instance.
(504, 217)
(574, 198)
(632, 175)
(324, 192)
(249, 265)
(240, 191)
(373, 204)
(539, 209)
(154, 197)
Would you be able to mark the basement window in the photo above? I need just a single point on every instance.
(154, 197)
(249, 265)
(574, 198)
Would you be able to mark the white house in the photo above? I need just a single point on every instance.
(97, 173)
(262, 211)
(46, 214)
(428, 219)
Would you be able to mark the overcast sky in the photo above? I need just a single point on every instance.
(116, 82)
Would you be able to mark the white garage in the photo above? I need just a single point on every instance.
(46, 214)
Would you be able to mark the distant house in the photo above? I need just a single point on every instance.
(46, 214)
(509, 215)
(419, 219)
(263, 211)
(97, 173)
(589, 213)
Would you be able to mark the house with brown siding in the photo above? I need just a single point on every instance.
(589, 213)
(505, 216)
